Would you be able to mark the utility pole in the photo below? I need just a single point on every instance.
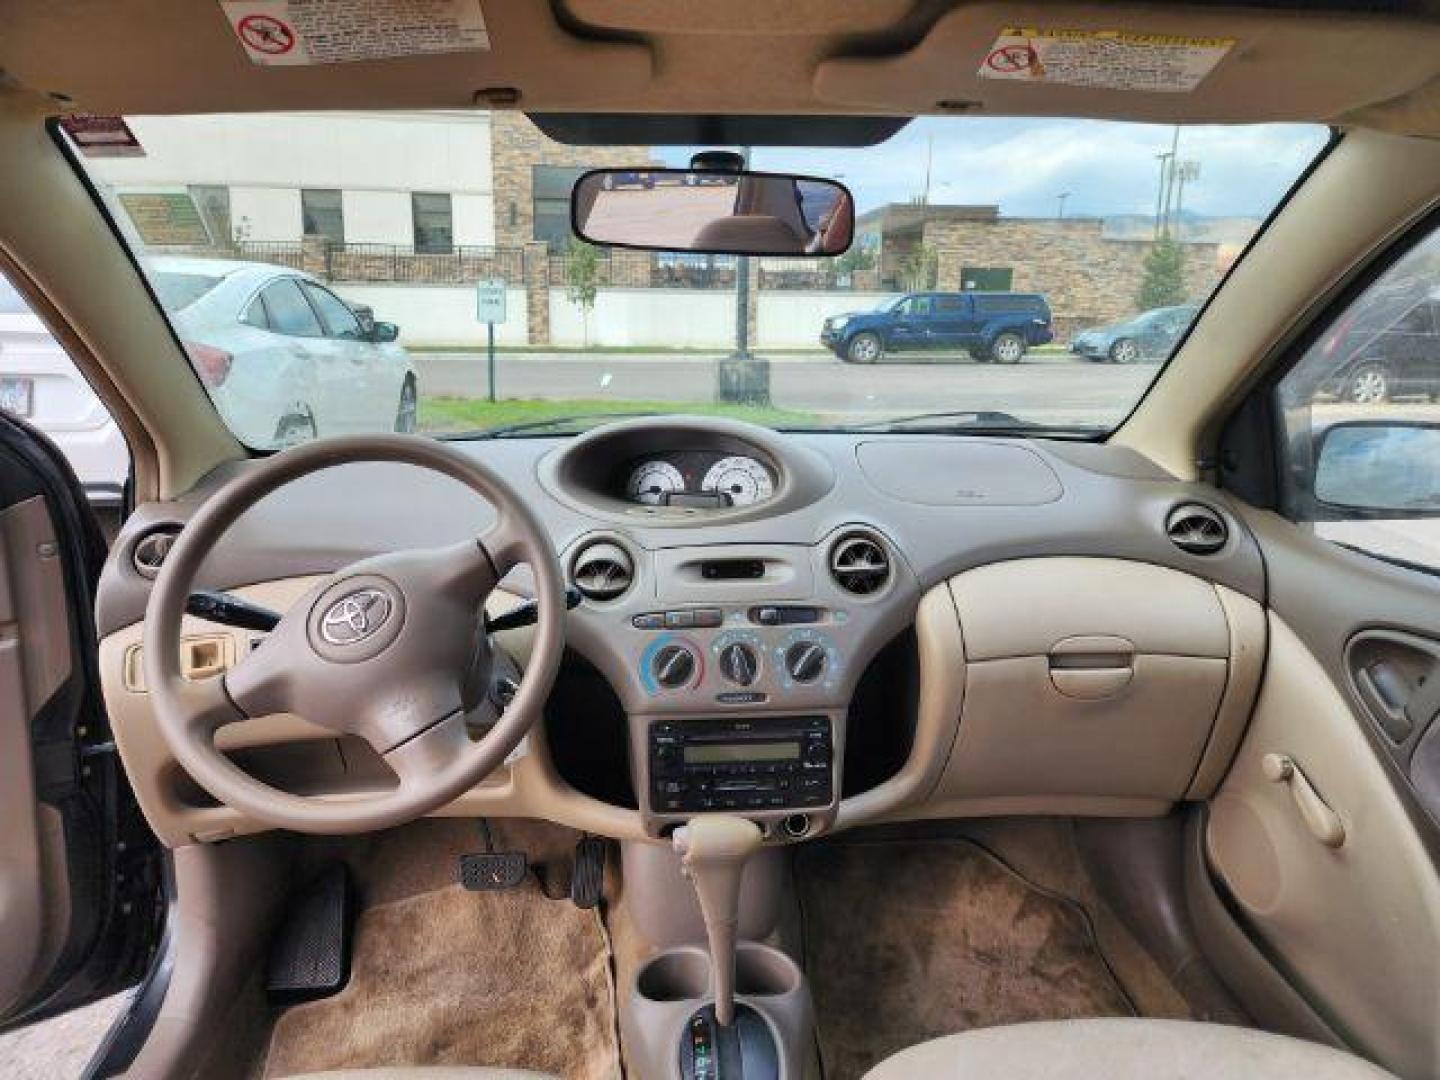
(743, 377)
(1184, 171)
(1060, 214)
(1172, 159)
(1164, 160)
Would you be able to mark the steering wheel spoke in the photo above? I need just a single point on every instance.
(208, 706)
(504, 543)
(427, 757)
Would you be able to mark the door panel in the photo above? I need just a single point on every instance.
(1353, 919)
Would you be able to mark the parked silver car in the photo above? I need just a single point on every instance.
(283, 357)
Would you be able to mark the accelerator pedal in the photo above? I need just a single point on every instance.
(587, 880)
(310, 956)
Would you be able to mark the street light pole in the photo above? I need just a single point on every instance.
(743, 377)
(1060, 215)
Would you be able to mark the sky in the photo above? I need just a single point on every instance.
(1023, 165)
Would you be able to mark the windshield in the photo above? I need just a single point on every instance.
(355, 270)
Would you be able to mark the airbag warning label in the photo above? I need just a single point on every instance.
(297, 32)
(1106, 59)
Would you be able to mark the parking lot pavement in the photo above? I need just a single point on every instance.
(1052, 387)
(58, 1049)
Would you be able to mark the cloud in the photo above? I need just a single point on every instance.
(1023, 165)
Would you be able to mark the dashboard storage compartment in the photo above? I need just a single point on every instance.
(1093, 686)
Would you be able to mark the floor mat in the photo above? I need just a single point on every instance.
(909, 940)
(449, 977)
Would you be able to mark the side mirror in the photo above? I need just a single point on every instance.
(1380, 467)
(713, 212)
(384, 332)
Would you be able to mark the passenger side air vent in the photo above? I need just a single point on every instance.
(149, 552)
(859, 563)
(1196, 529)
(602, 571)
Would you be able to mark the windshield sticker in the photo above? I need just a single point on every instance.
(300, 32)
(101, 136)
(1105, 59)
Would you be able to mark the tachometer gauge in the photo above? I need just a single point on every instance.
(742, 479)
(652, 481)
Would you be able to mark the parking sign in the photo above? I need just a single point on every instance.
(490, 301)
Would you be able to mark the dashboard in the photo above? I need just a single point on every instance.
(813, 629)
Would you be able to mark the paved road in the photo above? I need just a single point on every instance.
(1052, 388)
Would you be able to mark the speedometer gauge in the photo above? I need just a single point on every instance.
(742, 479)
(652, 481)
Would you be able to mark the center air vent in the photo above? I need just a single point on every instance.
(1196, 529)
(150, 550)
(859, 563)
(602, 571)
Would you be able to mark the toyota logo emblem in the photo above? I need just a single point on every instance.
(355, 616)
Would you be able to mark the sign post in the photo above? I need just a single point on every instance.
(490, 309)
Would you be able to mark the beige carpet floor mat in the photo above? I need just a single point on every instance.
(449, 977)
(909, 940)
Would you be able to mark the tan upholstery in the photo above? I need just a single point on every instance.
(762, 234)
(1120, 1050)
(427, 1072)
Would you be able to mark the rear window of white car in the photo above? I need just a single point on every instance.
(179, 291)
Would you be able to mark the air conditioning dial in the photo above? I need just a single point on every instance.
(739, 664)
(805, 661)
(674, 666)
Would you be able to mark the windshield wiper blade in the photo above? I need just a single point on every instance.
(501, 430)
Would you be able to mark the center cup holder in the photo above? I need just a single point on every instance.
(677, 975)
(762, 971)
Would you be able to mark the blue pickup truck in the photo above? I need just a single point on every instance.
(990, 326)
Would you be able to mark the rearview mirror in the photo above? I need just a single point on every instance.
(1381, 466)
(713, 212)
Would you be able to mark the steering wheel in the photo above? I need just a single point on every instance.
(392, 649)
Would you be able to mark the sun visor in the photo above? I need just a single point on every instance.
(1172, 64)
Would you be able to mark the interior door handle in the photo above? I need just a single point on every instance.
(1324, 824)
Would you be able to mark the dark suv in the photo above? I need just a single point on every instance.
(996, 326)
(1389, 348)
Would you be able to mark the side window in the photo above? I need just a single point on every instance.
(1360, 437)
(339, 320)
(290, 313)
(948, 305)
(39, 383)
(920, 306)
(255, 314)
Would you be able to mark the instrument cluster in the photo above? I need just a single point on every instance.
(699, 478)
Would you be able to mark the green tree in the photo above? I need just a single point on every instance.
(1163, 283)
(919, 268)
(857, 260)
(582, 279)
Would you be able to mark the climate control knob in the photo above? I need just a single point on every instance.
(739, 664)
(673, 666)
(805, 661)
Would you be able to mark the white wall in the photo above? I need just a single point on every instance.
(390, 153)
(263, 213)
(438, 314)
(377, 217)
(473, 219)
(668, 318)
(787, 319)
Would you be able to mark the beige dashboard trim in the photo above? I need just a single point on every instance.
(528, 786)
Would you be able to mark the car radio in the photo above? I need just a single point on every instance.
(705, 765)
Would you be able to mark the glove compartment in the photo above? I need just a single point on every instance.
(1096, 686)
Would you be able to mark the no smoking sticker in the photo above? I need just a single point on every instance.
(1106, 59)
(298, 32)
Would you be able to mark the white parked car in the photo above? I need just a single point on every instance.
(40, 384)
(283, 357)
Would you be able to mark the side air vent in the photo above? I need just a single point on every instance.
(150, 550)
(1196, 529)
(602, 571)
(859, 563)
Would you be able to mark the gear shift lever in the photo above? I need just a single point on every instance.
(713, 852)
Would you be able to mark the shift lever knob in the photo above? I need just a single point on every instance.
(713, 852)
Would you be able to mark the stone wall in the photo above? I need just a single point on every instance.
(516, 145)
(1087, 278)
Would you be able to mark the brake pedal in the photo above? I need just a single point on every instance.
(310, 956)
(491, 870)
(587, 880)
